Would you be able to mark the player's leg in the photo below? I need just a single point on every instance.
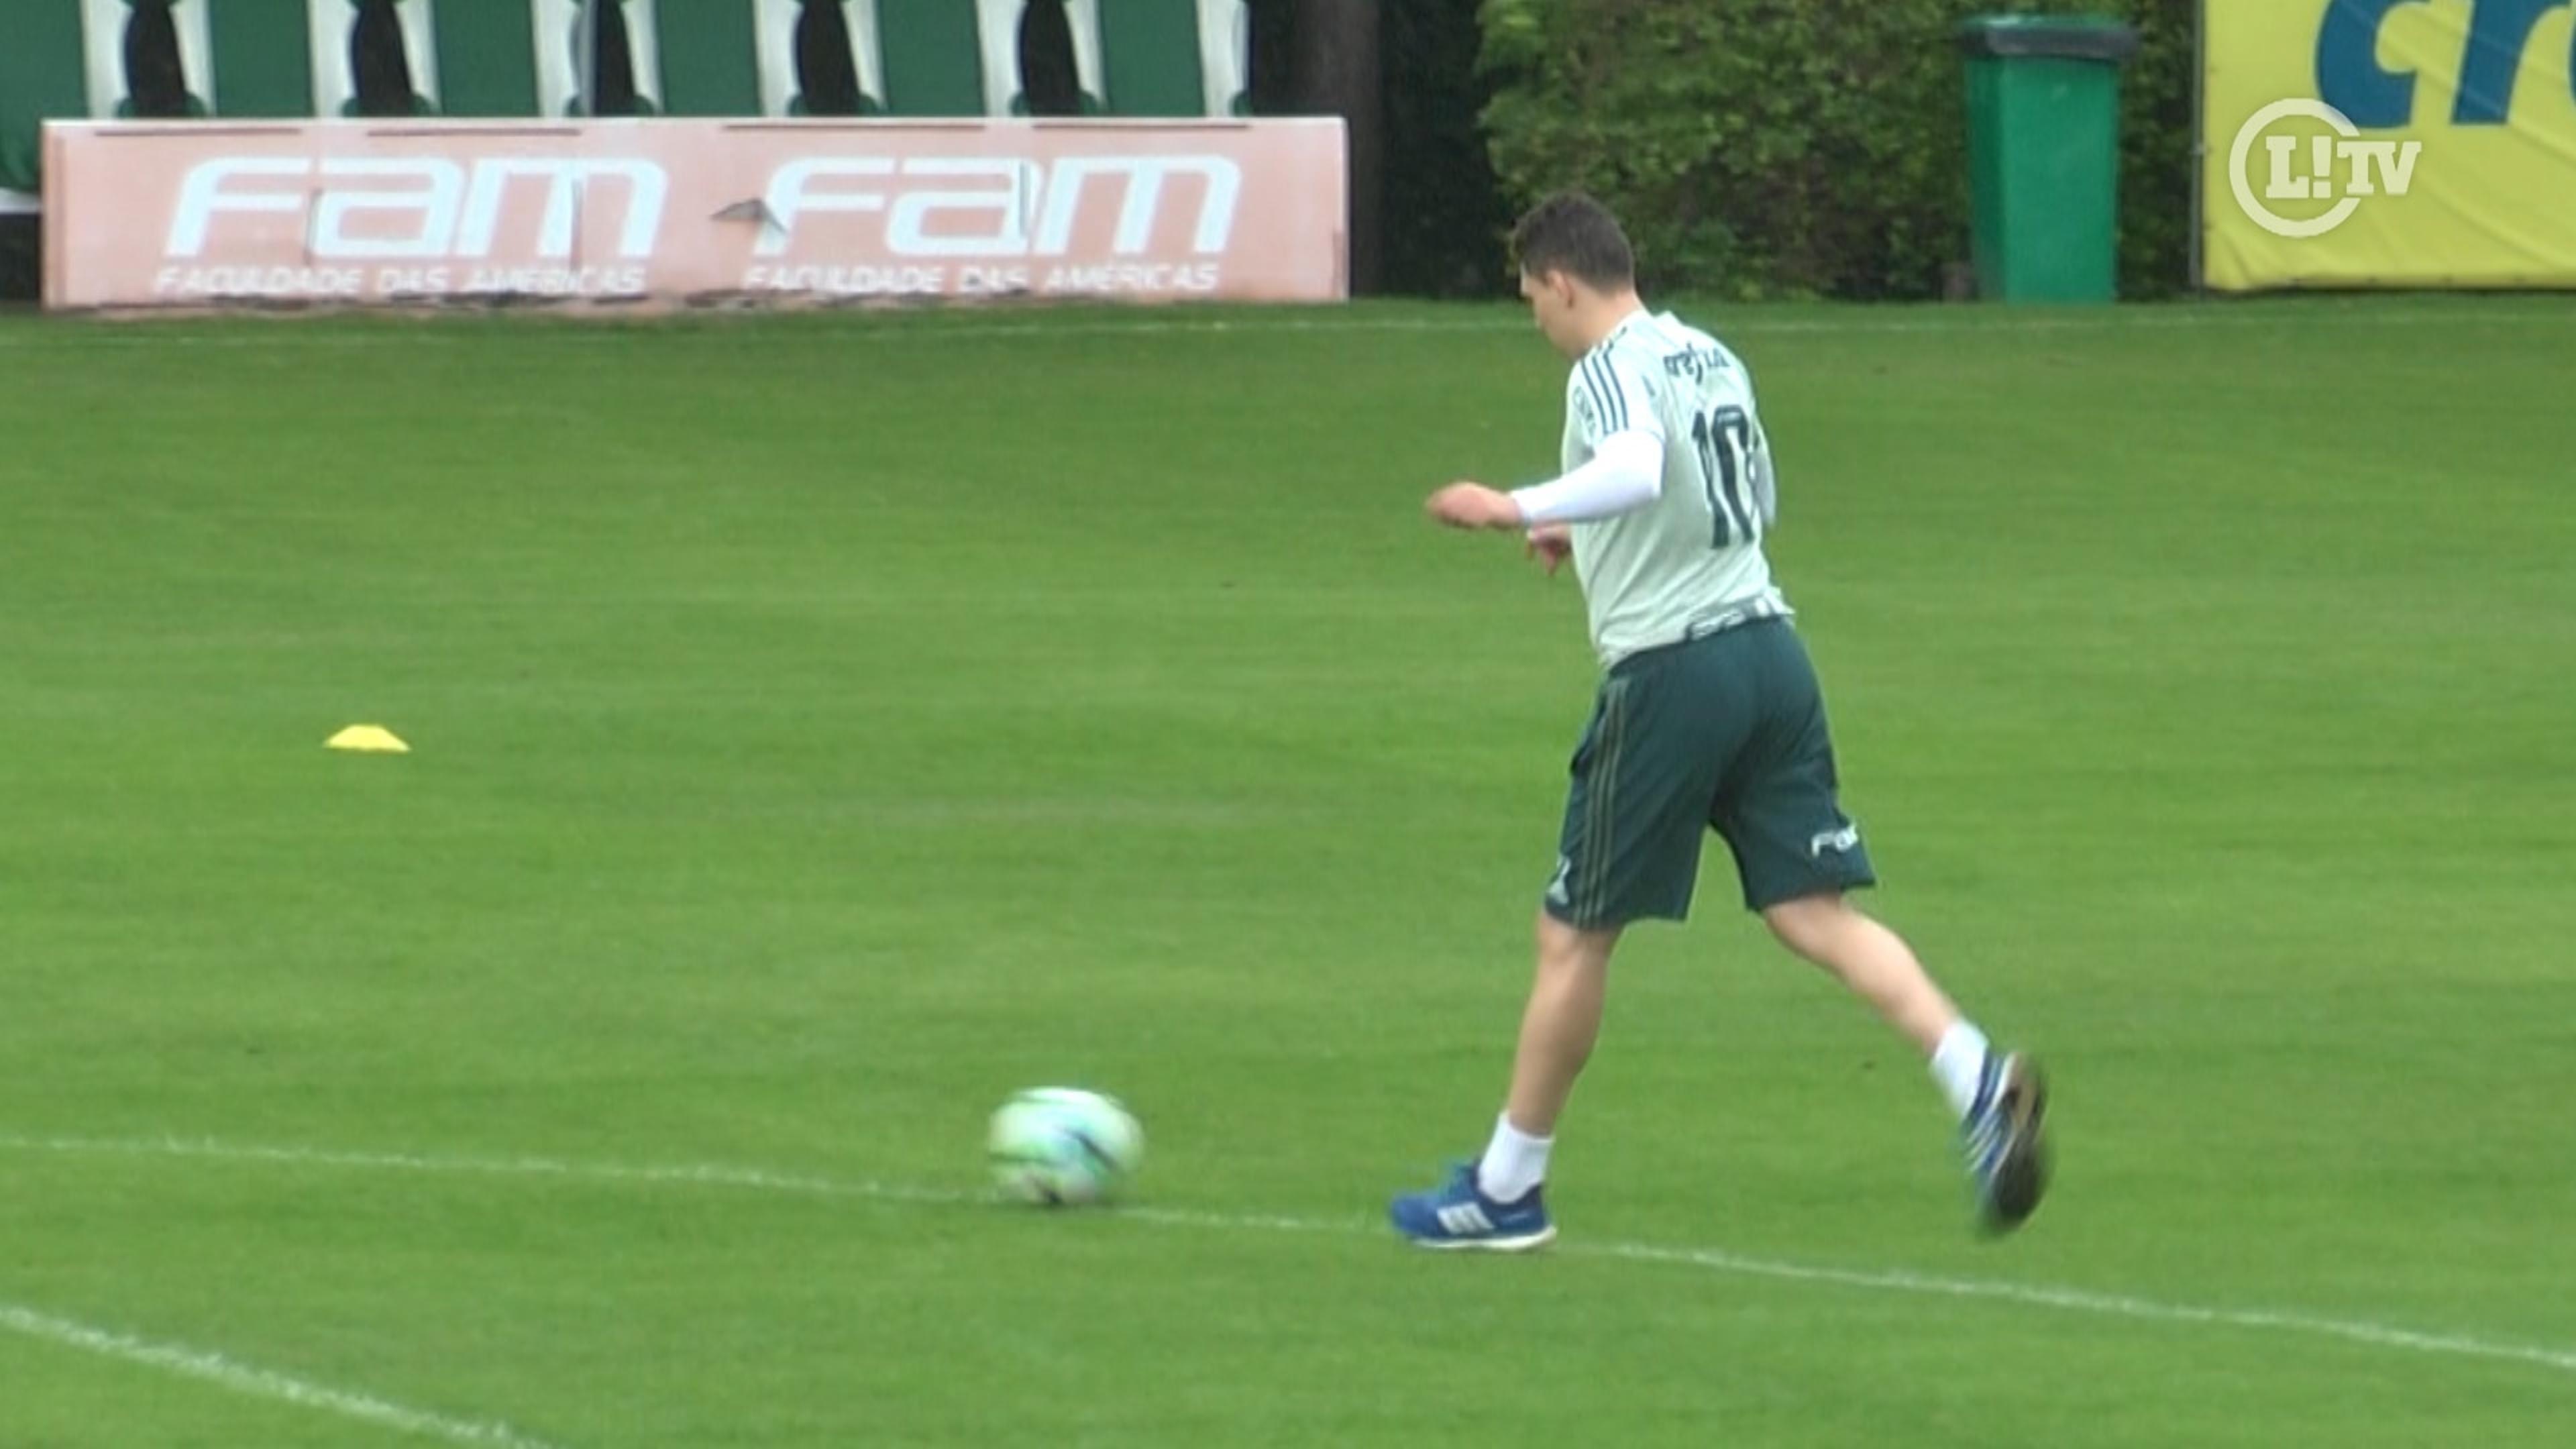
(2000, 1097)
(1871, 960)
(1495, 1202)
(1634, 820)
(1798, 855)
(1561, 1022)
(1558, 1029)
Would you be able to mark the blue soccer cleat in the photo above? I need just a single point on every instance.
(1457, 1214)
(2005, 1140)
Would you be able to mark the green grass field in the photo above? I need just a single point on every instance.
(823, 726)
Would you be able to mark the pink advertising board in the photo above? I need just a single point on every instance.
(358, 213)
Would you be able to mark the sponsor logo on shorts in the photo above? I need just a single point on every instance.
(1556, 890)
(1845, 839)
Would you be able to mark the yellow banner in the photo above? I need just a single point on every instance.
(2398, 143)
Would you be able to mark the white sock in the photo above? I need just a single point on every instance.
(1514, 1162)
(1958, 1063)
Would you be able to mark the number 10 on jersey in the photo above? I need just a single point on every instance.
(1725, 439)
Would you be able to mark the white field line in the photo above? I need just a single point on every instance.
(575, 327)
(2261, 1320)
(242, 1378)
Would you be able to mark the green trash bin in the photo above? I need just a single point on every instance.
(2044, 155)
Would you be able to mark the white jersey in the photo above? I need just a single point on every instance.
(1690, 560)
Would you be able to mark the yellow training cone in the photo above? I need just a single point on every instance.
(375, 738)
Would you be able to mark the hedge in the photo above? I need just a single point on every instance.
(1797, 148)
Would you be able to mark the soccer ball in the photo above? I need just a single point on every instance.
(1061, 1146)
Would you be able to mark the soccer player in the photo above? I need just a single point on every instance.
(1709, 717)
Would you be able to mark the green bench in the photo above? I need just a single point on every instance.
(127, 59)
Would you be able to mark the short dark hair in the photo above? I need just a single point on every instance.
(1574, 234)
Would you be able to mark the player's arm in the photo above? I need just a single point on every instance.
(1616, 411)
(1551, 544)
(1766, 483)
(1624, 473)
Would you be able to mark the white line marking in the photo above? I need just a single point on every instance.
(696, 1175)
(2114, 1304)
(242, 1378)
(2361, 1331)
(158, 333)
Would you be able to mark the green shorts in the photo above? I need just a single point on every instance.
(1725, 732)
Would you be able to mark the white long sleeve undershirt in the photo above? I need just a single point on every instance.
(1626, 472)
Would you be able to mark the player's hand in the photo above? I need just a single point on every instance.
(1551, 544)
(1473, 505)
